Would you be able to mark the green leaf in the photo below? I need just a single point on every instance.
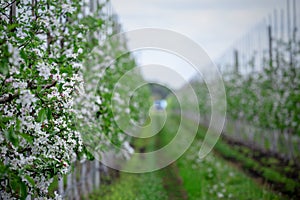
(39, 88)
(18, 124)
(88, 154)
(10, 27)
(3, 170)
(42, 115)
(4, 69)
(60, 87)
(27, 137)
(12, 137)
(23, 190)
(49, 114)
(30, 180)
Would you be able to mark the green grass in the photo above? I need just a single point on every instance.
(214, 178)
(268, 173)
(129, 186)
(210, 178)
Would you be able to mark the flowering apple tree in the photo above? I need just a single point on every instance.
(47, 89)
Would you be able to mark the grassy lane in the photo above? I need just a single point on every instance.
(129, 186)
(187, 178)
(162, 184)
(215, 178)
(264, 170)
(132, 186)
(173, 183)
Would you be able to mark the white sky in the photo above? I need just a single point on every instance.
(213, 24)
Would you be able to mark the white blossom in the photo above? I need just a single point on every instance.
(44, 71)
(26, 98)
(220, 195)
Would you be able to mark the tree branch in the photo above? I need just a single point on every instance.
(50, 85)
(9, 4)
(9, 98)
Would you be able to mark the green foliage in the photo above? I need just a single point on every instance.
(214, 178)
(267, 98)
(56, 89)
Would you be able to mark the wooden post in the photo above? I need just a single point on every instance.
(236, 61)
(69, 186)
(282, 24)
(274, 146)
(83, 179)
(288, 144)
(295, 21)
(61, 185)
(294, 46)
(262, 138)
(74, 182)
(288, 18)
(97, 174)
(289, 32)
(90, 177)
(276, 34)
(275, 24)
(270, 45)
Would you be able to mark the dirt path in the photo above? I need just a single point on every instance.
(173, 183)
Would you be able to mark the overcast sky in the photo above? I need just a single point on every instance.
(213, 24)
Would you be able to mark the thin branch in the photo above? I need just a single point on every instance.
(13, 12)
(47, 86)
(50, 85)
(27, 41)
(9, 98)
(4, 14)
(9, 4)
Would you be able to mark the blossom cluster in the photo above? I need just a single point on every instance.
(38, 138)
(56, 91)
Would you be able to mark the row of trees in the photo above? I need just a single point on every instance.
(269, 98)
(263, 106)
(58, 71)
